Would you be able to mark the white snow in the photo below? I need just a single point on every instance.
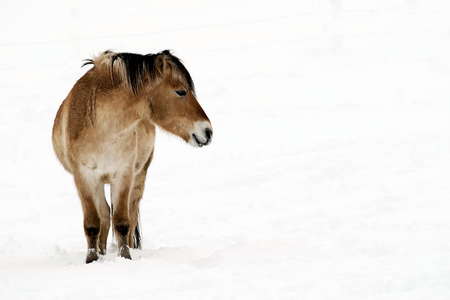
(328, 176)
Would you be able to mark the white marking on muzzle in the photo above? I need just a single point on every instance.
(201, 134)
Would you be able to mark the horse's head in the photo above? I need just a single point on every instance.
(162, 80)
(173, 104)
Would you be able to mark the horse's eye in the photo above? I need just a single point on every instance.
(181, 93)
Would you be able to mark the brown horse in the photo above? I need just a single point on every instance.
(104, 133)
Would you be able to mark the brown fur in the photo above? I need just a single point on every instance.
(104, 133)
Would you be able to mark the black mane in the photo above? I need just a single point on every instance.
(138, 66)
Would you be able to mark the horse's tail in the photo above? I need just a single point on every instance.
(137, 233)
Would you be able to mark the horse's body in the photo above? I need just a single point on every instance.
(104, 133)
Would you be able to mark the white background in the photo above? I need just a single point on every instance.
(329, 172)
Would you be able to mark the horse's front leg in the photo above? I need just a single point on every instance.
(136, 196)
(86, 191)
(121, 189)
(105, 219)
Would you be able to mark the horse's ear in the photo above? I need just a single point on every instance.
(160, 64)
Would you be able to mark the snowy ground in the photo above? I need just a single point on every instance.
(328, 176)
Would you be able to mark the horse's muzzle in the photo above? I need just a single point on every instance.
(202, 136)
(207, 135)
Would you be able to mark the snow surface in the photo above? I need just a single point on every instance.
(328, 176)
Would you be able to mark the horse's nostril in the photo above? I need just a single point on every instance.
(208, 134)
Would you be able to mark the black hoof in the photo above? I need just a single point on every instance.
(91, 256)
(125, 252)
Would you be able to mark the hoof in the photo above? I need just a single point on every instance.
(125, 252)
(91, 256)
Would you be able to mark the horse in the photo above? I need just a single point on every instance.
(104, 133)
